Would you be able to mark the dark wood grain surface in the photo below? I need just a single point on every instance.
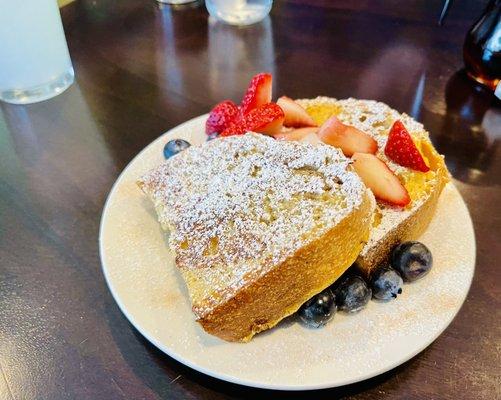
(142, 69)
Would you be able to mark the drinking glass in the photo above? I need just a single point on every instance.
(239, 12)
(176, 2)
(35, 64)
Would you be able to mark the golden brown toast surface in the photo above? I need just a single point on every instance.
(391, 225)
(258, 226)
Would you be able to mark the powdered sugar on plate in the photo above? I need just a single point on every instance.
(147, 286)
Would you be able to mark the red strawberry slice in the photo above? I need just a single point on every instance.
(378, 177)
(221, 116)
(295, 115)
(238, 128)
(258, 93)
(348, 138)
(267, 119)
(401, 149)
(296, 134)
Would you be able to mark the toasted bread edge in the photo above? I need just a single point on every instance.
(280, 292)
(412, 227)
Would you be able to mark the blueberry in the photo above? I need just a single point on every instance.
(412, 259)
(386, 283)
(352, 294)
(175, 146)
(319, 309)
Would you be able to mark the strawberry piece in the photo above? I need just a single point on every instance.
(267, 119)
(401, 149)
(295, 115)
(311, 138)
(297, 134)
(237, 128)
(380, 179)
(348, 138)
(221, 116)
(258, 93)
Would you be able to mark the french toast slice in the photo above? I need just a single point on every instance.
(258, 226)
(391, 224)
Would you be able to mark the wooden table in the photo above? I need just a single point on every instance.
(142, 69)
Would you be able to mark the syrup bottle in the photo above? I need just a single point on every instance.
(482, 47)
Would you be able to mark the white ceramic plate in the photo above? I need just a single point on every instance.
(141, 275)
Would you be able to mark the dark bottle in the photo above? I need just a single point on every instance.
(482, 47)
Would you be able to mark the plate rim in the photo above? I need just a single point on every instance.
(250, 382)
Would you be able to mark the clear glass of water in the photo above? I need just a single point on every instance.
(239, 12)
(34, 60)
(176, 2)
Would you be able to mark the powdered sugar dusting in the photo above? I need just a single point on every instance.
(237, 206)
(376, 118)
(146, 283)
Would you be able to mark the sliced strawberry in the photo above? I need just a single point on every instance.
(311, 138)
(378, 177)
(258, 93)
(221, 116)
(295, 115)
(297, 134)
(401, 149)
(237, 128)
(348, 138)
(267, 119)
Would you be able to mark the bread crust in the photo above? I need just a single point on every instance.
(414, 225)
(280, 292)
(262, 300)
(376, 118)
(283, 235)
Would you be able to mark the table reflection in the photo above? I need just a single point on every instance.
(237, 53)
(470, 131)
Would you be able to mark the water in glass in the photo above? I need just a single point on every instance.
(239, 12)
(34, 60)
